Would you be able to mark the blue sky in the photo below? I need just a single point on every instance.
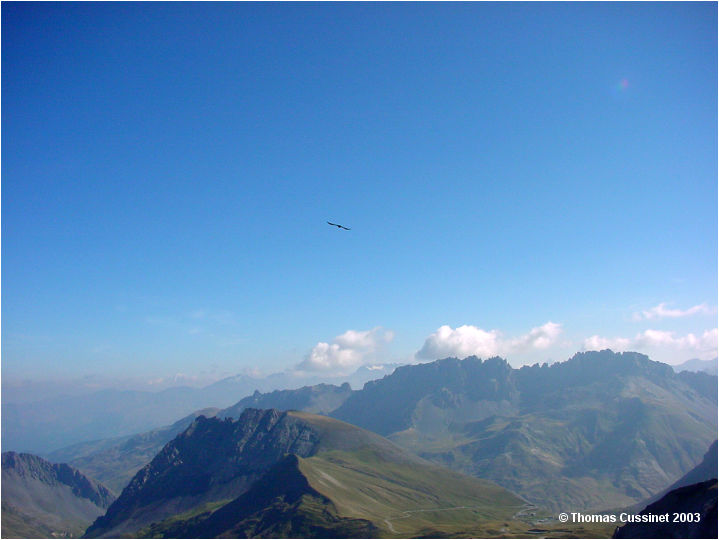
(522, 179)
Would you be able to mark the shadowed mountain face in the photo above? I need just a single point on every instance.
(43, 498)
(212, 460)
(235, 477)
(597, 431)
(697, 502)
(281, 504)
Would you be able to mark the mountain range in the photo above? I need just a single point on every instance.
(599, 430)
(607, 429)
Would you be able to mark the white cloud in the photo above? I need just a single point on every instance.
(704, 345)
(463, 341)
(662, 312)
(469, 340)
(597, 343)
(538, 338)
(707, 341)
(347, 351)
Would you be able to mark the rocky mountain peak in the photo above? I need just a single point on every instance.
(212, 459)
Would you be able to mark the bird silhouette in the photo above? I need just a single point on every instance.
(339, 226)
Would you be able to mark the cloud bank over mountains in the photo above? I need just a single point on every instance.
(703, 346)
(347, 351)
(356, 348)
(353, 349)
(468, 340)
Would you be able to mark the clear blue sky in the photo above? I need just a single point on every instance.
(168, 169)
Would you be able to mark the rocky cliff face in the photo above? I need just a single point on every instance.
(470, 389)
(212, 460)
(28, 466)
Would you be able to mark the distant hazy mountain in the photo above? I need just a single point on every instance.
(293, 474)
(597, 431)
(708, 366)
(696, 500)
(318, 399)
(42, 499)
(291, 380)
(44, 426)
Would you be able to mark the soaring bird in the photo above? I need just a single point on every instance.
(339, 226)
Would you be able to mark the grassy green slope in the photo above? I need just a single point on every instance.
(405, 499)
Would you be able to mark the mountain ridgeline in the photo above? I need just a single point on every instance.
(211, 460)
